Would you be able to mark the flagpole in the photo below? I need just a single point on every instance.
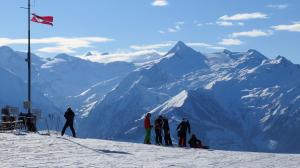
(29, 62)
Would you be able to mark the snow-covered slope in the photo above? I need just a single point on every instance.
(206, 116)
(53, 151)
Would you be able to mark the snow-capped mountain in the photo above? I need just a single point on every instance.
(247, 99)
(233, 100)
(63, 80)
(73, 81)
(207, 118)
(14, 91)
(9, 81)
(141, 91)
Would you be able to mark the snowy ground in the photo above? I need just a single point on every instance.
(33, 150)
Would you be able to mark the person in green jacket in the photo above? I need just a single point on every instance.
(148, 127)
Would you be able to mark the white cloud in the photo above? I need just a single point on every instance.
(210, 23)
(224, 23)
(151, 46)
(199, 45)
(209, 46)
(278, 6)
(295, 27)
(172, 30)
(230, 42)
(76, 42)
(199, 24)
(179, 23)
(176, 28)
(244, 16)
(241, 24)
(252, 33)
(124, 56)
(61, 44)
(57, 49)
(160, 3)
(221, 23)
(217, 48)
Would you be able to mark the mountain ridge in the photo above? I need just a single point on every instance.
(252, 91)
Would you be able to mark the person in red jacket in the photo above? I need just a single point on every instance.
(148, 127)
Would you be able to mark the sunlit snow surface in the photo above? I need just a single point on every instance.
(35, 150)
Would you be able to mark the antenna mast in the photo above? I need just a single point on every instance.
(29, 62)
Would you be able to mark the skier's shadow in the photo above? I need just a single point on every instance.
(109, 151)
(101, 151)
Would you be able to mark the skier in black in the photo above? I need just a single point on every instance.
(166, 128)
(182, 128)
(69, 115)
(158, 123)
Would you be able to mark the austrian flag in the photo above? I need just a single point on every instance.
(42, 19)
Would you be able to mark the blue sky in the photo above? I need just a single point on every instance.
(130, 26)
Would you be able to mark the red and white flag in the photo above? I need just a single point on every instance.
(42, 19)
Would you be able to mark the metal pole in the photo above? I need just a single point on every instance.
(29, 61)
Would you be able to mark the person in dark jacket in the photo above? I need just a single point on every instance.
(158, 123)
(147, 127)
(182, 129)
(196, 143)
(31, 122)
(69, 115)
(166, 128)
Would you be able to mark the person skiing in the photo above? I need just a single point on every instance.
(158, 123)
(182, 128)
(166, 128)
(196, 143)
(148, 127)
(69, 115)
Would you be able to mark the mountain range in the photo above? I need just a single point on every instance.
(233, 100)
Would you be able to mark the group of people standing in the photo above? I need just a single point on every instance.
(161, 127)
